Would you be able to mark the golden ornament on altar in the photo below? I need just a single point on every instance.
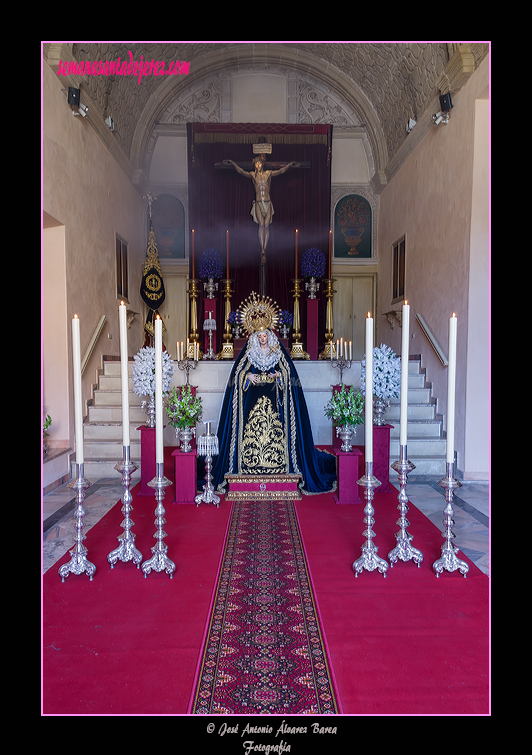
(258, 313)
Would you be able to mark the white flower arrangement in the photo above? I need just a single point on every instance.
(144, 372)
(386, 373)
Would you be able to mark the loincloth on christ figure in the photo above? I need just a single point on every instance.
(265, 205)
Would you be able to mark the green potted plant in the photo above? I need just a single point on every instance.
(345, 409)
(184, 409)
(45, 425)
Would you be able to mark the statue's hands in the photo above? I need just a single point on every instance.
(253, 379)
(295, 165)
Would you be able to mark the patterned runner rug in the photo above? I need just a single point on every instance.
(264, 651)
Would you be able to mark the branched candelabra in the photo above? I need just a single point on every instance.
(341, 363)
(404, 550)
(449, 560)
(186, 365)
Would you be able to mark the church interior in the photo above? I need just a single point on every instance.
(380, 155)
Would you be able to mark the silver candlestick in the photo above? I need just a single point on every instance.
(126, 551)
(449, 560)
(210, 325)
(159, 561)
(208, 447)
(369, 559)
(78, 559)
(341, 363)
(404, 550)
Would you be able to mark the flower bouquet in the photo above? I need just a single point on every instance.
(234, 319)
(285, 322)
(184, 409)
(345, 409)
(210, 267)
(313, 268)
(143, 372)
(386, 380)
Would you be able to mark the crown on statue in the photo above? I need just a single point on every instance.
(258, 314)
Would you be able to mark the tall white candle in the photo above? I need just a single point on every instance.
(124, 375)
(78, 410)
(368, 419)
(158, 390)
(403, 433)
(451, 388)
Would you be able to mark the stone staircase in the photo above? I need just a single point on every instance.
(102, 431)
(426, 444)
(103, 428)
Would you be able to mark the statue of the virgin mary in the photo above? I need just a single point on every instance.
(264, 426)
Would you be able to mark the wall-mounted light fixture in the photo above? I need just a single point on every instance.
(73, 99)
(445, 106)
(410, 125)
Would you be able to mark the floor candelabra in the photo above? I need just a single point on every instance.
(78, 555)
(369, 559)
(404, 550)
(126, 551)
(159, 561)
(449, 560)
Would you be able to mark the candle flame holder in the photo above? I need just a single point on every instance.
(404, 550)
(340, 363)
(186, 365)
(78, 563)
(449, 560)
(369, 559)
(159, 561)
(126, 551)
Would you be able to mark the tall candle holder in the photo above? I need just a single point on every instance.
(449, 560)
(126, 551)
(186, 365)
(159, 561)
(369, 559)
(78, 555)
(208, 447)
(297, 351)
(404, 550)
(227, 346)
(341, 363)
(328, 350)
(193, 292)
(210, 325)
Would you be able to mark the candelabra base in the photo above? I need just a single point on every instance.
(369, 559)
(159, 561)
(126, 551)
(297, 351)
(404, 550)
(449, 560)
(79, 562)
(208, 495)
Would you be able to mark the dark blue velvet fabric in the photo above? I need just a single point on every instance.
(318, 468)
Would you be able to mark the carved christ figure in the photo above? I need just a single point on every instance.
(262, 208)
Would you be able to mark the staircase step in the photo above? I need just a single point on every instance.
(420, 447)
(109, 431)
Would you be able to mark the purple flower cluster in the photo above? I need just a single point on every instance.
(285, 318)
(210, 264)
(312, 263)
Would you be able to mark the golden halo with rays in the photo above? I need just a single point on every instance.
(258, 314)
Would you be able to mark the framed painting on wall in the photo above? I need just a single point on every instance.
(352, 228)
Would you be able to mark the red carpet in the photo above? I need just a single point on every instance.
(405, 644)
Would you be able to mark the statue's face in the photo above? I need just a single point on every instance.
(258, 166)
(263, 337)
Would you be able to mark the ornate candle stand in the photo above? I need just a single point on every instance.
(341, 364)
(449, 560)
(210, 325)
(404, 550)
(208, 447)
(78, 560)
(193, 292)
(369, 559)
(227, 346)
(186, 365)
(297, 351)
(328, 350)
(126, 551)
(159, 561)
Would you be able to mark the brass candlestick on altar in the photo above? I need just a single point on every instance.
(297, 351)
(193, 292)
(328, 350)
(227, 347)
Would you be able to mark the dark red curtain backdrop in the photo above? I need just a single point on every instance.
(220, 200)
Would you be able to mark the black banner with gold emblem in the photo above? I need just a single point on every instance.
(152, 285)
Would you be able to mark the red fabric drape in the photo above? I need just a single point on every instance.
(220, 200)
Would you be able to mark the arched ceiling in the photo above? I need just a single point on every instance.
(385, 84)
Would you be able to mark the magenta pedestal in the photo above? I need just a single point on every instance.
(349, 468)
(147, 459)
(185, 466)
(381, 456)
(312, 328)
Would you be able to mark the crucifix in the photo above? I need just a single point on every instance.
(261, 174)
